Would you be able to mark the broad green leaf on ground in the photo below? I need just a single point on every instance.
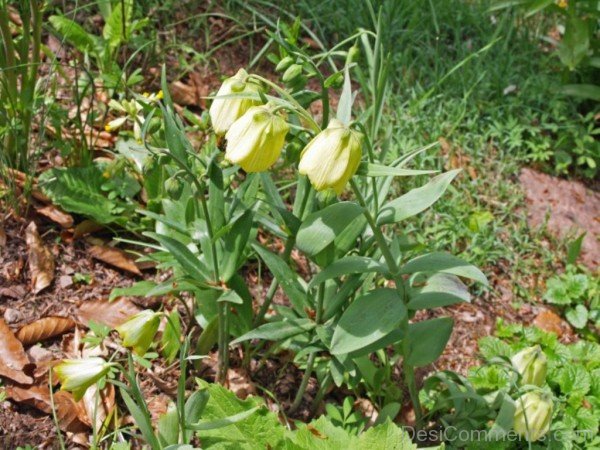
(368, 319)
(416, 200)
(322, 227)
(79, 190)
(74, 33)
(260, 430)
(347, 266)
(276, 331)
(427, 340)
(446, 263)
(441, 289)
(321, 434)
(577, 316)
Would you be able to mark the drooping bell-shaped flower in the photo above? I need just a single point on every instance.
(139, 330)
(531, 363)
(76, 375)
(226, 108)
(255, 140)
(332, 157)
(533, 416)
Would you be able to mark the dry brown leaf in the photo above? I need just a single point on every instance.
(71, 415)
(56, 215)
(99, 408)
(183, 94)
(551, 322)
(115, 257)
(2, 237)
(44, 328)
(111, 314)
(13, 360)
(41, 261)
(86, 227)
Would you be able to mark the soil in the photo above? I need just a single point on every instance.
(566, 208)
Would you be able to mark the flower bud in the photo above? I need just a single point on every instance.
(226, 110)
(76, 375)
(255, 140)
(139, 330)
(531, 363)
(291, 73)
(173, 187)
(332, 157)
(284, 64)
(533, 416)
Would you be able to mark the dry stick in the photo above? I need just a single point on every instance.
(408, 370)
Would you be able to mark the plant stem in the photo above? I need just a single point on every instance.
(304, 383)
(408, 370)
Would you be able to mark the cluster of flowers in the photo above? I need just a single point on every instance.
(133, 111)
(255, 135)
(533, 413)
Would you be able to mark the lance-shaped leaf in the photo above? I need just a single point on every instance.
(416, 200)
(446, 263)
(441, 289)
(427, 340)
(368, 319)
(322, 227)
(235, 243)
(277, 331)
(286, 277)
(347, 266)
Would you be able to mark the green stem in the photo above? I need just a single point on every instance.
(408, 370)
(304, 384)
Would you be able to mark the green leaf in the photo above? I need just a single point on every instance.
(441, 289)
(574, 45)
(321, 228)
(113, 28)
(445, 263)
(261, 429)
(79, 190)
(347, 266)
(74, 33)
(286, 277)
(234, 244)
(170, 340)
(387, 436)
(277, 331)
(416, 200)
(574, 248)
(504, 420)
(168, 426)
(578, 316)
(379, 170)
(585, 91)
(224, 422)
(141, 419)
(344, 111)
(427, 340)
(189, 262)
(368, 319)
(139, 289)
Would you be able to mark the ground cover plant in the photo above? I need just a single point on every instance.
(304, 229)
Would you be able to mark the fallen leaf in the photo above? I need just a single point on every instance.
(2, 237)
(41, 261)
(56, 215)
(183, 94)
(115, 257)
(16, 291)
(111, 314)
(101, 407)
(44, 328)
(86, 227)
(13, 360)
(71, 415)
(551, 322)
